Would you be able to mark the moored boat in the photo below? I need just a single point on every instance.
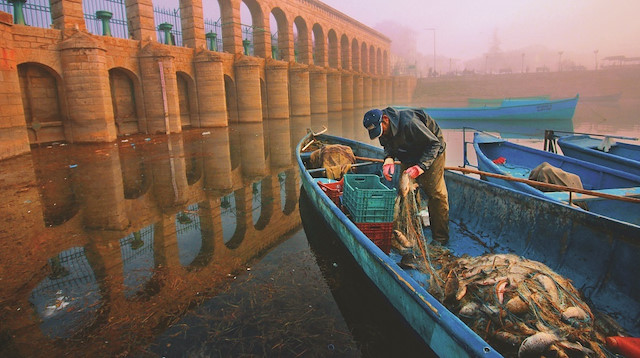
(559, 109)
(488, 218)
(499, 156)
(603, 151)
(481, 102)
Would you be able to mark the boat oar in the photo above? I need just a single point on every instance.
(546, 185)
(530, 182)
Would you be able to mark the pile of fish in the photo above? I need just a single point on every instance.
(519, 306)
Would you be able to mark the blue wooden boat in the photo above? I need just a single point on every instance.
(619, 155)
(598, 254)
(482, 102)
(520, 160)
(560, 109)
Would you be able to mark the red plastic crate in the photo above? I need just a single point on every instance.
(333, 190)
(379, 233)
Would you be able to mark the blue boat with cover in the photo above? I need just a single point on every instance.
(597, 254)
(559, 109)
(603, 151)
(499, 156)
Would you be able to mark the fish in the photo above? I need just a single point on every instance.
(517, 306)
(401, 238)
(535, 345)
(409, 261)
(574, 312)
(469, 310)
(500, 289)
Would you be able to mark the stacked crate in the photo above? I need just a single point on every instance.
(370, 205)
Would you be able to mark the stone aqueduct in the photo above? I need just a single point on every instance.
(66, 84)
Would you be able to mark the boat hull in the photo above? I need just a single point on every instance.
(621, 156)
(562, 109)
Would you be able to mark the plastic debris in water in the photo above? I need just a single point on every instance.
(73, 165)
(206, 133)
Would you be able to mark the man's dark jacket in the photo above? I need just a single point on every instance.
(415, 137)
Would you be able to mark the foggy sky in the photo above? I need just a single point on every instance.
(465, 28)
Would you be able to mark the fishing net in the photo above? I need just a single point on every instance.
(519, 306)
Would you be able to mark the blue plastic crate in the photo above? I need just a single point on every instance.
(367, 199)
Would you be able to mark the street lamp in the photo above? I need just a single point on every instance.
(522, 70)
(434, 48)
(560, 61)
(595, 53)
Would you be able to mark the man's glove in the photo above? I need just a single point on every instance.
(388, 168)
(414, 171)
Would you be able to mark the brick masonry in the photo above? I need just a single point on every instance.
(66, 84)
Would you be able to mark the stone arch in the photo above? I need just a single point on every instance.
(385, 63)
(258, 27)
(379, 62)
(188, 236)
(283, 36)
(319, 45)
(264, 99)
(212, 16)
(372, 61)
(302, 41)
(187, 99)
(364, 58)
(43, 102)
(344, 52)
(334, 51)
(126, 99)
(355, 55)
(231, 98)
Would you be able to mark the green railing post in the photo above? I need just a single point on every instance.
(274, 52)
(295, 55)
(212, 38)
(105, 16)
(166, 27)
(18, 14)
(246, 43)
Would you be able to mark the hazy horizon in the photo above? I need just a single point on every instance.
(467, 29)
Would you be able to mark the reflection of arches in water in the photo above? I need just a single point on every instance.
(58, 198)
(138, 260)
(135, 178)
(188, 234)
(282, 177)
(68, 299)
(290, 189)
(262, 203)
(193, 164)
(233, 224)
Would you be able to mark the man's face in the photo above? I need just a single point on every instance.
(385, 124)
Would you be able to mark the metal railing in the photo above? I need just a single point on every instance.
(117, 22)
(169, 26)
(36, 13)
